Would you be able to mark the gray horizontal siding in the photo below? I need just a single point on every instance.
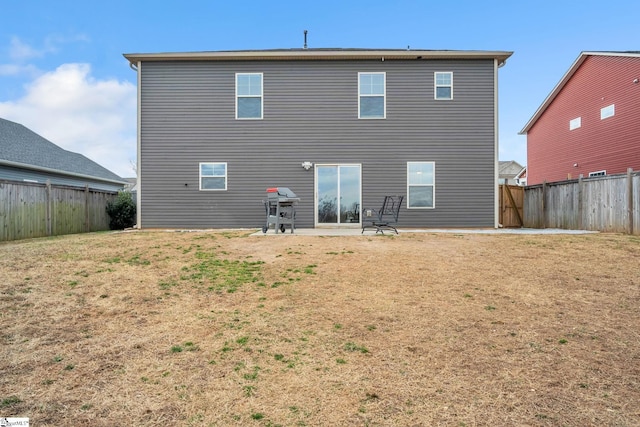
(310, 114)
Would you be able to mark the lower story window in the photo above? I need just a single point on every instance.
(421, 183)
(213, 176)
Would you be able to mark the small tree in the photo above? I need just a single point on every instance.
(122, 211)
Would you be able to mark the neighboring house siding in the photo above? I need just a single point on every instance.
(612, 144)
(311, 114)
(16, 174)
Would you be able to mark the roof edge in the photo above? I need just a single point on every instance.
(563, 81)
(58, 171)
(318, 54)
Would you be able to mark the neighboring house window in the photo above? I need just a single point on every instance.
(598, 173)
(421, 182)
(248, 95)
(575, 123)
(213, 176)
(371, 95)
(443, 85)
(608, 111)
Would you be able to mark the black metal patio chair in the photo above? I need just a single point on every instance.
(384, 218)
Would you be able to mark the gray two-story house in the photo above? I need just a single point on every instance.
(342, 128)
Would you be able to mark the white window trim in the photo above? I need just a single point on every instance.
(384, 96)
(200, 176)
(608, 111)
(421, 185)
(598, 173)
(575, 123)
(436, 85)
(261, 96)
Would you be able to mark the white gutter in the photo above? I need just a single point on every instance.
(318, 54)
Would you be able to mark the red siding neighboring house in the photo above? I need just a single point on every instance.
(590, 122)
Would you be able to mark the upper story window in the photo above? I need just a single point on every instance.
(248, 95)
(443, 82)
(213, 176)
(575, 123)
(421, 183)
(608, 111)
(371, 95)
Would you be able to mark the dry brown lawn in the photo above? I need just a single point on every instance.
(223, 328)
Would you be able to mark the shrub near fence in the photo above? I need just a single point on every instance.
(30, 210)
(609, 203)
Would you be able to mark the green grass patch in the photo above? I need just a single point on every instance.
(136, 260)
(188, 346)
(166, 285)
(9, 401)
(350, 346)
(223, 274)
(252, 376)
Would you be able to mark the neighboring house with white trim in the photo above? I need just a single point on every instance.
(27, 156)
(589, 125)
(509, 171)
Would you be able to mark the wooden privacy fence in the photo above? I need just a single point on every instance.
(36, 210)
(609, 203)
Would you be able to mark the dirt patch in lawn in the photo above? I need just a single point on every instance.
(224, 328)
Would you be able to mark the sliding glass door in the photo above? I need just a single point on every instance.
(338, 194)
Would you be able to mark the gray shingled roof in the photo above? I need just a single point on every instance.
(21, 146)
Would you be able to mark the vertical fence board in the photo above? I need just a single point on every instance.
(636, 204)
(30, 210)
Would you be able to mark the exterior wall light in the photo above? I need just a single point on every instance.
(307, 165)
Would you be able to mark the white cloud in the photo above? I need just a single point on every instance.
(20, 51)
(79, 113)
(18, 70)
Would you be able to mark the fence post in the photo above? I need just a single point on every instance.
(580, 208)
(49, 202)
(630, 199)
(544, 204)
(86, 209)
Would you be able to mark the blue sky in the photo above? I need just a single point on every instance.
(62, 73)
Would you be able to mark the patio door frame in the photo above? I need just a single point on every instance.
(317, 194)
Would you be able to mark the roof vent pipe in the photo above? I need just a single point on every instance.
(305, 39)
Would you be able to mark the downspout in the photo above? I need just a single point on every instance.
(496, 202)
(138, 69)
